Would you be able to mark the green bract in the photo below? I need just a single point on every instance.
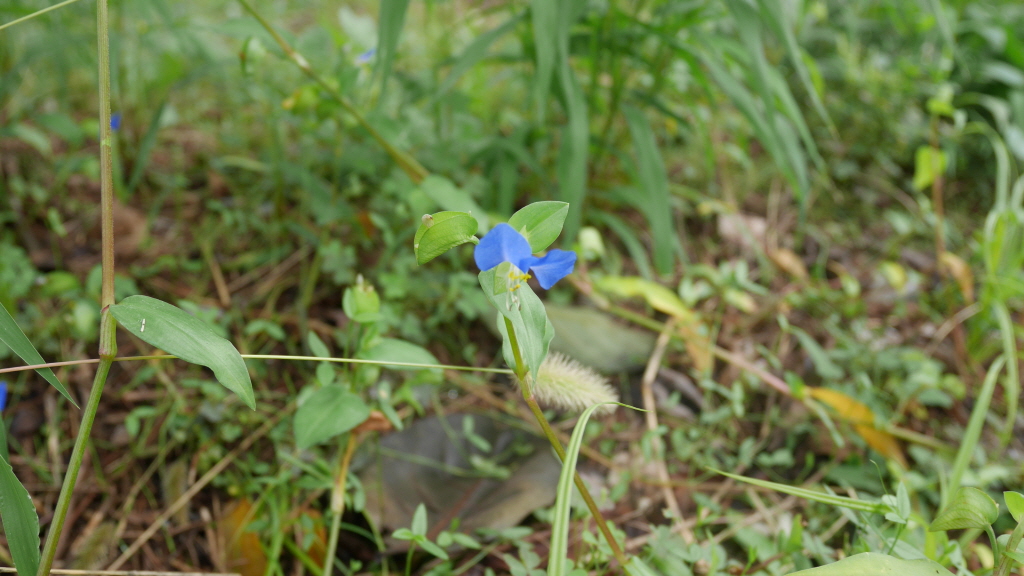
(441, 232)
(540, 223)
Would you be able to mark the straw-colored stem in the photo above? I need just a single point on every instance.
(338, 502)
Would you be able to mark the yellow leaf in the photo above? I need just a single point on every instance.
(863, 421)
(241, 550)
(789, 262)
(691, 330)
(960, 272)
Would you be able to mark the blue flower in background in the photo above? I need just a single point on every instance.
(504, 244)
(3, 395)
(365, 57)
(115, 121)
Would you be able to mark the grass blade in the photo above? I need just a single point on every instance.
(973, 432)
(573, 156)
(558, 560)
(654, 182)
(15, 339)
(392, 18)
(37, 13)
(475, 52)
(830, 499)
(544, 17)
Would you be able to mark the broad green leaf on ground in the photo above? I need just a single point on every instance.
(540, 223)
(177, 332)
(863, 421)
(329, 411)
(969, 508)
(830, 499)
(21, 524)
(441, 232)
(877, 565)
(15, 339)
(593, 338)
(526, 313)
(400, 351)
(450, 197)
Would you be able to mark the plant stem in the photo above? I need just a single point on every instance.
(407, 163)
(338, 502)
(64, 501)
(553, 440)
(108, 326)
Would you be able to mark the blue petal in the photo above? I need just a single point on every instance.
(554, 266)
(502, 244)
(3, 394)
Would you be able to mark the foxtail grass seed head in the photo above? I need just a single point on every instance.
(566, 384)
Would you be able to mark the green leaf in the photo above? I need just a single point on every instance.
(969, 508)
(540, 223)
(1015, 504)
(830, 499)
(361, 302)
(637, 567)
(389, 32)
(419, 521)
(400, 351)
(433, 548)
(317, 346)
(179, 333)
(525, 311)
(929, 164)
(15, 339)
(877, 564)
(329, 411)
(558, 559)
(21, 524)
(441, 232)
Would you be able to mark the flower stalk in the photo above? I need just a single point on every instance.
(531, 401)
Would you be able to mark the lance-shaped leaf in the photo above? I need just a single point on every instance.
(969, 508)
(177, 332)
(329, 411)
(441, 232)
(21, 524)
(15, 339)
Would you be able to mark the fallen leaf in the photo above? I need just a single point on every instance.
(960, 272)
(863, 421)
(241, 548)
(789, 262)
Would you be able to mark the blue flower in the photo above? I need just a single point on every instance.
(115, 121)
(3, 395)
(504, 244)
(365, 57)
